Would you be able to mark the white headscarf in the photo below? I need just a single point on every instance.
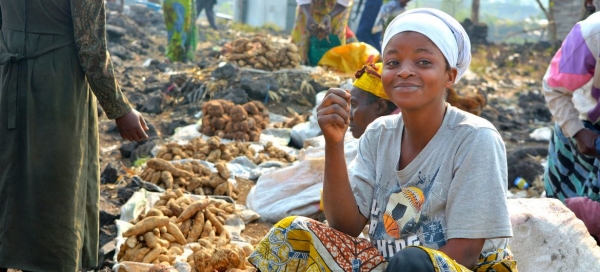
(443, 30)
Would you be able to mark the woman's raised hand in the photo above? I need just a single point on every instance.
(333, 115)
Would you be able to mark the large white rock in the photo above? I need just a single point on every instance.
(548, 237)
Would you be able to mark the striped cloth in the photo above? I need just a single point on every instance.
(569, 173)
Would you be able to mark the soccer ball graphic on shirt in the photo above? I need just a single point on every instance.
(403, 210)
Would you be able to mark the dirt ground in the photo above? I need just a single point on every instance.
(256, 230)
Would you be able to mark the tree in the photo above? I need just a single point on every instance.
(475, 12)
(549, 12)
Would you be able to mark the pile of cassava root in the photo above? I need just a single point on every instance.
(211, 150)
(159, 236)
(236, 122)
(261, 53)
(190, 176)
(273, 153)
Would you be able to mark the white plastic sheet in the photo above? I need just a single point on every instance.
(310, 129)
(294, 190)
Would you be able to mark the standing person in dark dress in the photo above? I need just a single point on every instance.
(54, 63)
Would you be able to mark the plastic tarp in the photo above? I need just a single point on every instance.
(295, 190)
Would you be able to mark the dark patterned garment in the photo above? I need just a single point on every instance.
(53, 64)
(570, 173)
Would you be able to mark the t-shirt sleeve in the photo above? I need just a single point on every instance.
(476, 206)
(361, 172)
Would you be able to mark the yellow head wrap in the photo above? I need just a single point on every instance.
(368, 78)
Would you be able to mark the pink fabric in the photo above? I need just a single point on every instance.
(588, 211)
(568, 81)
(396, 111)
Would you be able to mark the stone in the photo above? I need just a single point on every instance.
(136, 99)
(108, 245)
(477, 32)
(115, 32)
(226, 71)
(154, 103)
(548, 237)
(521, 163)
(534, 107)
(153, 87)
(152, 131)
(108, 216)
(144, 150)
(151, 79)
(257, 89)
(125, 193)
(202, 64)
(127, 149)
(162, 66)
(178, 79)
(235, 95)
(132, 29)
(170, 128)
(144, 16)
(110, 174)
(120, 51)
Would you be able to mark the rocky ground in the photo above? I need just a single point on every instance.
(169, 95)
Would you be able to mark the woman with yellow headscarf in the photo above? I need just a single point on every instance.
(368, 101)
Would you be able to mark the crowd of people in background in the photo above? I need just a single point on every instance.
(323, 24)
(319, 25)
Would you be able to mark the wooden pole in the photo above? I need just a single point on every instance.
(475, 12)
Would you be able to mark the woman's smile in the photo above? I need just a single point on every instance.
(405, 87)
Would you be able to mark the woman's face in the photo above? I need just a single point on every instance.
(415, 73)
(362, 111)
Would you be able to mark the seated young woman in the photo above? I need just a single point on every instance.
(430, 183)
